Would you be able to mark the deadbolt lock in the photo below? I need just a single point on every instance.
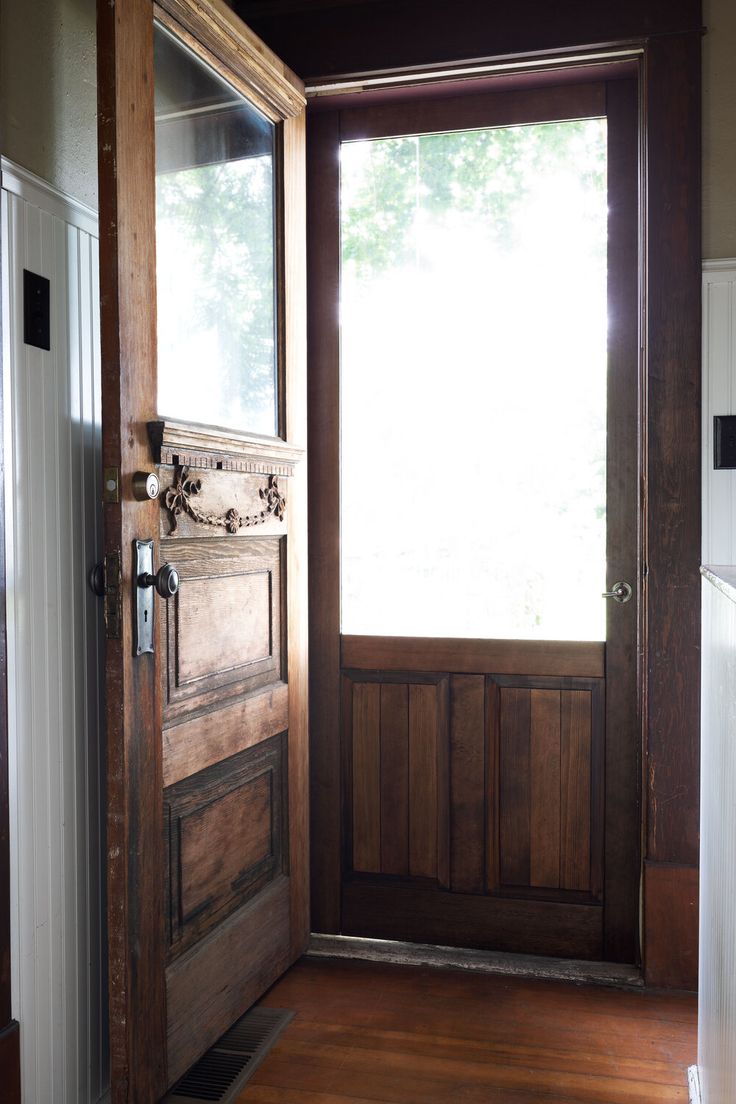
(145, 486)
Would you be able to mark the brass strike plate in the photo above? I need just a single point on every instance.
(111, 485)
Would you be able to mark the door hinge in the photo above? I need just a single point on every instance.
(105, 581)
(113, 595)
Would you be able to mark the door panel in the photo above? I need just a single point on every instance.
(241, 800)
(489, 785)
(530, 798)
(238, 585)
(207, 801)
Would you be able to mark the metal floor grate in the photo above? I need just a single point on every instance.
(221, 1073)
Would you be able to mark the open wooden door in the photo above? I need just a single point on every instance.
(202, 224)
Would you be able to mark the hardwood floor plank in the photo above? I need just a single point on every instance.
(384, 1076)
(365, 1032)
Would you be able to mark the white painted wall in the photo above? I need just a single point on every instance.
(52, 407)
(48, 91)
(719, 397)
(717, 977)
(717, 968)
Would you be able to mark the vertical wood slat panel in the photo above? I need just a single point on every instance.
(53, 451)
(423, 737)
(394, 778)
(575, 741)
(493, 793)
(367, 777)
(467, 773)
(545, 788)
(443, 783)
(515, 790)
(717, 981)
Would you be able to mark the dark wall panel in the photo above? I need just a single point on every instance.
(324, 39)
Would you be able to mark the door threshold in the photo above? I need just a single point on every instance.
(573, 970)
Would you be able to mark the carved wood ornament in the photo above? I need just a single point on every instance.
(179, 500)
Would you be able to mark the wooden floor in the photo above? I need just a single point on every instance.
(412, 1035)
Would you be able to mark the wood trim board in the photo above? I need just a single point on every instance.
(502, 657)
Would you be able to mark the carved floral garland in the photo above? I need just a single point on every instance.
(179, 501)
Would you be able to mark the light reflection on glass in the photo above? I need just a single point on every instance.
(214, 246)
(473, 383)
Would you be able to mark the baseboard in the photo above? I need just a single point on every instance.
(693, 1085)
(485, 962)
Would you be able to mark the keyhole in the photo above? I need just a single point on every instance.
(145, 615)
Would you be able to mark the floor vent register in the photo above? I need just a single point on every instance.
(221, 1073)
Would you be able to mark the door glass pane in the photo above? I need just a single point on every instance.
(215, 247)
(473, 383)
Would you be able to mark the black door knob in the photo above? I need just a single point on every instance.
(166, 581)
(96, 579)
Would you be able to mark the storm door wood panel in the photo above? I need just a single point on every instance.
(207, 733)
(501, 807)
(397, 757)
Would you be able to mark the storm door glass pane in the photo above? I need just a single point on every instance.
(215, 247)
(473, 383)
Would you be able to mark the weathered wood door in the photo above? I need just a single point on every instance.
(202, 278)
(490, 783)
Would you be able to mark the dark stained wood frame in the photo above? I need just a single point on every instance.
(563, 662)
(667, 38)
(9, 1031)
(136, 863)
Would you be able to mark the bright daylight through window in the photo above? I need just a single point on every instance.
(473, 383)
(214, 248)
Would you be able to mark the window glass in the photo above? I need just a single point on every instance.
(214, 247)
(473, 383)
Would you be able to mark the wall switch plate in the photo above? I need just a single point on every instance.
(724, 441)
(36, 310)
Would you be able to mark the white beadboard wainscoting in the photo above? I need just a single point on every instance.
(52, 430)
(719, 397)
(714, 1081)
(717, 986)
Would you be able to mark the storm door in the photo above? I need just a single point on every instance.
(486, 596)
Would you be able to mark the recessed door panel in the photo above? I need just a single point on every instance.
(222, 631)
(225, 837)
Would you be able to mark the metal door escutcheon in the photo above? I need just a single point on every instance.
(620, 592)
(165, 582)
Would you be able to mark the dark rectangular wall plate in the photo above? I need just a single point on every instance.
(36, 310)
(724, 441)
